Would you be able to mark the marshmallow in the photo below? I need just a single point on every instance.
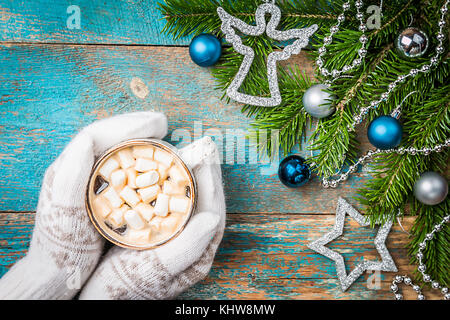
(171, 188)
(162, 205)
(145, 210)
(139, 236)
(130, 196)
(147, 179)
(134, 220)
(177, 204)
(116, 217)
(170, 223)
(108, 167)
(143, 152)
(163, 157)
(111, 195)
(118, 178)
(126, 159)
(149, 194)
(163, 173)
(131, 177)
(155, 223)
(144, 165)
(101, 206)
(176, 175)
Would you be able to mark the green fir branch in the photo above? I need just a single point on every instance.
(427, 124)
(425, 113)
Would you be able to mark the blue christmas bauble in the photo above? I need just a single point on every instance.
(293, 171)
(385, 132)
(205, 50)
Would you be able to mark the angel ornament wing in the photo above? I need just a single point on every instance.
(301, 37)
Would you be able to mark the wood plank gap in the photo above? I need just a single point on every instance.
(93, 44)
(302, 214)
(30, 43)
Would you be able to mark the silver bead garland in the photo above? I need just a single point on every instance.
(329, 39)
(333, 183)
(422, 269)
(328, 181)
(412, 73)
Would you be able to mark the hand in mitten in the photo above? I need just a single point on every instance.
(166, 271)
(65, 246)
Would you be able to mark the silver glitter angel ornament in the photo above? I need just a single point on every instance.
(300, 37)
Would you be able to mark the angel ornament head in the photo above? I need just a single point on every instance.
(300, 37)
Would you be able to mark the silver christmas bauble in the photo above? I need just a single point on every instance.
(412, 42)
(317, 102)
(431, 188)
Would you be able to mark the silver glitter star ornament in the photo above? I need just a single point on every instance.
(386, 264)
(229, 23)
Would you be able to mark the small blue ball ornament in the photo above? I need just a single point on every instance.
(205, 50)
(293, 171)
(385, 132)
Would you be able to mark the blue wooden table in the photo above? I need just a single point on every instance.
(55, 80)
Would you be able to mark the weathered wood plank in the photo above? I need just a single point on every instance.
(265, 257)
(15, 234)
(101, 22)
(49, 92)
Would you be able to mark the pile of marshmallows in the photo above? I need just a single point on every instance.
(144, 188)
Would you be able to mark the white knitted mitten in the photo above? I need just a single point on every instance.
(164, 272)
(65, 246)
